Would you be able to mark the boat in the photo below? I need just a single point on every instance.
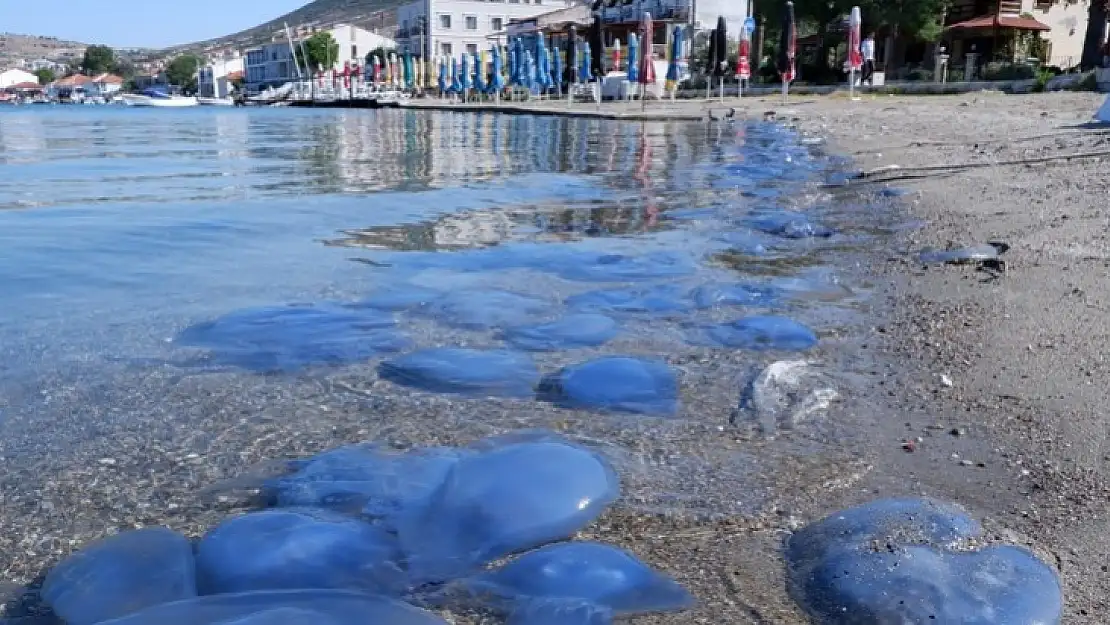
(157, 98)
(215, 101)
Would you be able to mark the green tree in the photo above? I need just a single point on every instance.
(182, 71)
(98, 59)
(45, 75)
(124, 69)
(322, 50)
(1096, 33)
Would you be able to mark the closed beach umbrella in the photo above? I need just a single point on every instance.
(557, 67)
(529, 70)
(721, 33)
(479, 73)
(633, 60)
(616, 55)
(455, 85)
(587, 62)
(597, 48)
(675, 53)
(572, 57)
(464, 74)
(406, 69)
(418, 73)
(442, 75)
(711, 57)
(647, 62)
(543, 66)
(788, 44)
(377, 69)
(497, 80)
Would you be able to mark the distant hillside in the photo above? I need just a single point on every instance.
(379, 15)
(30, 47)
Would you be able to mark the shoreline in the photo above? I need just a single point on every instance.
(1037, 472)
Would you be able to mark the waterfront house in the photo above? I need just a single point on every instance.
(16, 76)
(104, 86)
(274, 64)
(71, 88)
(429, 28)
(216, 77)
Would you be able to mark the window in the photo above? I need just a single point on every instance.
(472, 48)
(496, 24)
(445, 21)
(471, 22)
(445, 49)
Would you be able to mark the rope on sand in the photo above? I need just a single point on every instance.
(916, 172)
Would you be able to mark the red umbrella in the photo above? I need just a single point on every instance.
(346, 74)
(647, 59)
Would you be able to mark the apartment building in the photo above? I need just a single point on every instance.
(452, 27)
(214, 79)
(274, 64)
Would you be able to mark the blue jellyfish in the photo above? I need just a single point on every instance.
(506, 499)
(764, 332)
(591, 572)
(580, 330)
(464, 371)
(617, 383)
(120, 575)
(922, 572)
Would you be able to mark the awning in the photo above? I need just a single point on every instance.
(1003, 21)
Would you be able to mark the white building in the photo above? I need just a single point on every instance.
(451, 27)
(37, 64)
(214, 79)
(16, 76)
(274, 63)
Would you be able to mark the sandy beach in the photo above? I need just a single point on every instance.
(974, 385)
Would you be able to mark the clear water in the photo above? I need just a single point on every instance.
(124, 232)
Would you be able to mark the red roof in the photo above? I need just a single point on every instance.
(25, 86)
(1002, 21)
(108, 79)
(73, 81)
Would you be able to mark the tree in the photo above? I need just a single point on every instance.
(322, 50)
(1096, 33)
(182, 71)
(45, 75)
(98, 60)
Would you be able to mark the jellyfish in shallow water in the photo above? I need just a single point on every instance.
(464, 371)
(921, 573)
(363, 478)
(581, 571)
(616, 383)
(287, 607)
(502, 500)
(584, 330)
(763, 332)
(290, 549)
(121, 574)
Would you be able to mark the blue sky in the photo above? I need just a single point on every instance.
(148, 23)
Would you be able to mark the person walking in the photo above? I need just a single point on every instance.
(867, 51)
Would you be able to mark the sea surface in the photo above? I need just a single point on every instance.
(279, 244)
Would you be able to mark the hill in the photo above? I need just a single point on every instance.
(30, 47)
(375, 15)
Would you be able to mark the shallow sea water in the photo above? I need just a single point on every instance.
(214, 288)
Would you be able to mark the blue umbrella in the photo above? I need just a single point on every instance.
(585, 70)
(521, 77)
(464, 74)
(528, 71)
(557, 69)
(633, 62)
(479, 74)
(676, 53)
(543, 66)
(498, 82)
(455, 86)
(442, 75)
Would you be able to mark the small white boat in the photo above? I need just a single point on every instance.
(156, 98)
(215, 101)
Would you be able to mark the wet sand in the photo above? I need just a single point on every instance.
(1017, 437)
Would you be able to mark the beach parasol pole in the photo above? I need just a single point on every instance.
(855, 56)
